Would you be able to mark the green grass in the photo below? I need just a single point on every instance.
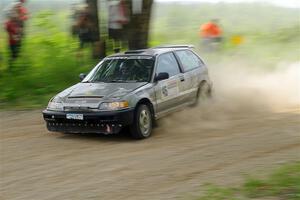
(218, 193)
(283, 183)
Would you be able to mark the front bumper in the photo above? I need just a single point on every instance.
(107, 122)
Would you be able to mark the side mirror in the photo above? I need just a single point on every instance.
(82, 76)
(162, 76)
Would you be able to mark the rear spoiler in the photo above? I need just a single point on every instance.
(175, 47)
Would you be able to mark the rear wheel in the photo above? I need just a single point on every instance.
(203, 93)
(143, 122)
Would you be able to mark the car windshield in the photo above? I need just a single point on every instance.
(122, 70)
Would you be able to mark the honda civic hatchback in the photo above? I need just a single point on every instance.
(130, 90)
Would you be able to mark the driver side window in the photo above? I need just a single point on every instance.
(167, 63)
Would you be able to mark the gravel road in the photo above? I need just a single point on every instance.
(219, 142)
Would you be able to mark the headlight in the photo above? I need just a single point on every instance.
(114, 105)
(55, 104)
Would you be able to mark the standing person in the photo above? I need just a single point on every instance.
(1, 57)
(117, 18)
(14, 32)
(22, 13)
(84, 27)
(211, 34)
(76, 11)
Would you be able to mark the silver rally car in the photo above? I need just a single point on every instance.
(131, 89)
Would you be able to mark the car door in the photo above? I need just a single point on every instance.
(168, 91)
(193, 68)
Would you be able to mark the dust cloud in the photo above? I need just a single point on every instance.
(241, 92)
(274, 89)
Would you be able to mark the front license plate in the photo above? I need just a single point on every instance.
(75, 116)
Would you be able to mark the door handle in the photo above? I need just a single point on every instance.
(181, 78)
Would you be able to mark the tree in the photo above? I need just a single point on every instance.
(98, 46)
(138, 30)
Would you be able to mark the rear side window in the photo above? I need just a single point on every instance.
(189, 60)
(167, 63)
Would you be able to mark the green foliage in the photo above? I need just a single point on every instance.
(48, 64)
(283, 183)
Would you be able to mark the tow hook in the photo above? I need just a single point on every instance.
(108, 128)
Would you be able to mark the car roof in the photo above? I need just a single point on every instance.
(152, 51)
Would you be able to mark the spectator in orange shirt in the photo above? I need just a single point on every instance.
(211, 34)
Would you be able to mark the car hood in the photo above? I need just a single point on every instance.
(89, 95)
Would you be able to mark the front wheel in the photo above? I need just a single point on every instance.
(142, 124)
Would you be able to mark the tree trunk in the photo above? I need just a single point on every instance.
(139, 26)
(98, 46)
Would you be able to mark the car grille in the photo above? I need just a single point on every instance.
(84, 127)
(91, 119)
(95, 124)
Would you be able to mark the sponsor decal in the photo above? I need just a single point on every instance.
(169, 89)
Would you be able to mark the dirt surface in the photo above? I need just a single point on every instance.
(219, 142)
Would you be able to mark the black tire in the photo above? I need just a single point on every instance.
(142, 125)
